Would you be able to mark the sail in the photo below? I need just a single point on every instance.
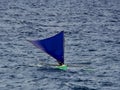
(54, 46)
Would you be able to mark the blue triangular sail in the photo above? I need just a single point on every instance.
(54, 46)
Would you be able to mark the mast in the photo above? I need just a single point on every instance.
(63, 46)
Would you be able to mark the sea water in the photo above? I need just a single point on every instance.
(92, 42)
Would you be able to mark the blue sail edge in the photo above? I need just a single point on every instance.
(54, 46)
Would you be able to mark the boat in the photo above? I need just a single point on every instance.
(53, 46)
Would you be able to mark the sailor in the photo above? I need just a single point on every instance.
(60, 63)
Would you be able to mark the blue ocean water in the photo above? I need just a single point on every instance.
(92, 42)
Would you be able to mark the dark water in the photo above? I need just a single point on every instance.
(92, 41)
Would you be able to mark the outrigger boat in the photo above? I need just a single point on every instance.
(54, 46)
